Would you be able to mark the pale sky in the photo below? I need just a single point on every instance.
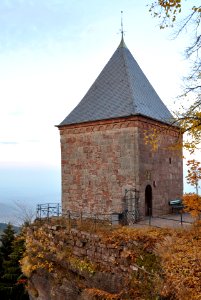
(51, 51)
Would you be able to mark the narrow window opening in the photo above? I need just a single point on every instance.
(148, 201)
(170, 160)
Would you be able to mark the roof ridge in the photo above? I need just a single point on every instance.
(129, 79)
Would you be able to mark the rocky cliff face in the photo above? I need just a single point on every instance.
(63, 263)
(46, 286)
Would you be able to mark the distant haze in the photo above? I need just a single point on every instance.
(28, 185)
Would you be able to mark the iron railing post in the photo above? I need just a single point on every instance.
(48, 211)
(181, 217)
(95, 222)
(69, 220)
(58, 210)
(149, 209)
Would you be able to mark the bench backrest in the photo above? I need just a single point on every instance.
(175, 202)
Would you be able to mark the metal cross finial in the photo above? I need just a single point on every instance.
(122, 44)
(122, 27)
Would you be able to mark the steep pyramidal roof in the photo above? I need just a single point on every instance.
(120, 90)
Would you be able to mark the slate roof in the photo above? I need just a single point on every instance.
(120, 90)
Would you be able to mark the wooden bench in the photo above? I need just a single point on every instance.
(176, 204)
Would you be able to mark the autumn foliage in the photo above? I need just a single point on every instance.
(192, 203)
(166, 262)
(181, 261)
(194, 173)
(185, 16)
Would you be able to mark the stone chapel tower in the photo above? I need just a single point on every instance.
(103, 149)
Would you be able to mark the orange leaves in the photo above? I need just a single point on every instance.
(197, 9)
(192, 203)
(94, 293)
(143, 237)
(194, 165)
(194, 173)
(170, 3)
(166, 10)
(181, 261)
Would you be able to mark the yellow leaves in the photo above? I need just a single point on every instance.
(190, 123)
(82, 265)
(189, 146)
(43, 265)
(37, 247)
(164, 137)
(29, 264)
(26, 266)
(151, 138)
(40, 255)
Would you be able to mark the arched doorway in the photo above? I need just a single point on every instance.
(148, 201)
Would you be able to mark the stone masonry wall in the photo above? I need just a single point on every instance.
(65, 264)
(101, 159)
(162, 169)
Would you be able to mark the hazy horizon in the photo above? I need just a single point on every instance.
(27, 186)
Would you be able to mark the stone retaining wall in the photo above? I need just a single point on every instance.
(80, 262)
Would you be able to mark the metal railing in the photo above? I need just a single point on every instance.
(48, 210)
(156, 217)
(169, 218)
